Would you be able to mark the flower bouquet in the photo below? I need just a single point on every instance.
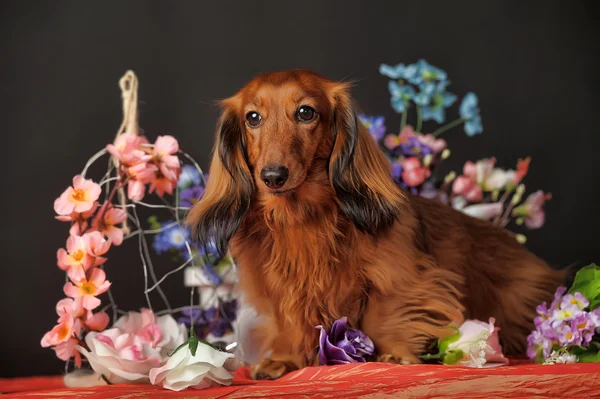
(568, 331)
(148, 346)
(482, 190)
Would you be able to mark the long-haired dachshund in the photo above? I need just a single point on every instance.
(304, 199)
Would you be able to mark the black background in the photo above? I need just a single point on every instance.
(532, 64)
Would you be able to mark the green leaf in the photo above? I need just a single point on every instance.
(153, 222)
(443, 343)
(453, 357)
(587, 282)
(589, 357)
(193, 342)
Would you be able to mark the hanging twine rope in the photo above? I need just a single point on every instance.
(130, 125)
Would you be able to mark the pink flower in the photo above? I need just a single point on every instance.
(134, 345)
(76, 257)
(532, 209)
(482, 176)
(164, 148)
(522, 169)
(78, 198)
(413, 173)
(111, 216)
(67, 350)
(86, 288)
(144, 172)
(80, 220)
(135, 190)
(391, 141)
(69, 307)
(62, 331)
(468, 188)
(97, 321)
(168, 165)
(96, 246)
(127, 149)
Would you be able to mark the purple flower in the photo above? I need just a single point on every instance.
(577, 301)
(413, 147)
(375, 125)
(191, 195)
(191, 316)
(343, 344)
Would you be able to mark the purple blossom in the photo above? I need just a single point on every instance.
(343, 344)
(413, 147)
(191, 195)
(375, 125)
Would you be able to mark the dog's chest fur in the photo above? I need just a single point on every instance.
(294, 266)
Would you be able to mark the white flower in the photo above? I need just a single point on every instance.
(137, 343)
(200, 370)
(479, 344)
(560, 358)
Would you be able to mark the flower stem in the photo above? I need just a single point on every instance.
(404, 116)
(419, 118)
(448, 126)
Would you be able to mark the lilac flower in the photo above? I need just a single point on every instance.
(375, 124)
(191, 195)
(576, 301)
(191, 316)
(343, 344)
(189, 176)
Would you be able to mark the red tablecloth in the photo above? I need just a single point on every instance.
(370, 380)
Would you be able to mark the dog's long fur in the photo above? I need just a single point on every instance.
(345, 241)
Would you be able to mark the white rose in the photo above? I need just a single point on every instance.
(137, 343)
(479, 344)
(201, 370)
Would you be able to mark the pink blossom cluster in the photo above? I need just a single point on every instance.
(95, 228)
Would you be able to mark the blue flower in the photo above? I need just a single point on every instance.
(191, 195)
(435, 99)
(159, 244)
(173, 237)
(473, 126)
(189, 176)
(375, 124)
(397, 171)
(426, 73)
(413, 147)
(401, 95)
(469, 111)
(399, 71)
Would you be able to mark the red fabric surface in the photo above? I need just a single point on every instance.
(370, 380)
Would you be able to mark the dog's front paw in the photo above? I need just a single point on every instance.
(404, 359)
(269, 369)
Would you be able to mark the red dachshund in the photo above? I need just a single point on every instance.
(304, 199)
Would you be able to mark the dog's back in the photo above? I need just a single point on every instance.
(502, 279)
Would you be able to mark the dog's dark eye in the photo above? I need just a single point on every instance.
(306, 114)
(253, 119)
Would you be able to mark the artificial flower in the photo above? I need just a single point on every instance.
(127, 148)
(401, 95)
(78, 198)
(76, 256)
(165, 182)
(135, 190)
(532, 210)
(128, 351)
(434, 101)
(79, 220)
(144, 172)
(522, 169)
(190, 176)
(483, 211)
(97, 321)
(478, 345)
(96, 246)
(375, 125)
(87, 288)
(469, 112)
(67, 350)
(399, 71)
(67, 327)
(191, 195)
(107, 224)
(195, 366)
(343, 344)
(424, 73)
(413, 173)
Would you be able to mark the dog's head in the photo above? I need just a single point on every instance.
(280, 130)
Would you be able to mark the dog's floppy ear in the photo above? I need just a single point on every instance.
(359, 171)
(217, 216)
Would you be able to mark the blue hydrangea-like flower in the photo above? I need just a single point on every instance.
(469, 111)
(426, 73)
(375, 125)
(400, 71)
(401, 95)
(176, 236)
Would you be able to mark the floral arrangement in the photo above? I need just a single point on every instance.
(569, 330)
(146, 346)
(482, 190)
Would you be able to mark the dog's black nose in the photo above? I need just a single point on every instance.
(274, 176)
